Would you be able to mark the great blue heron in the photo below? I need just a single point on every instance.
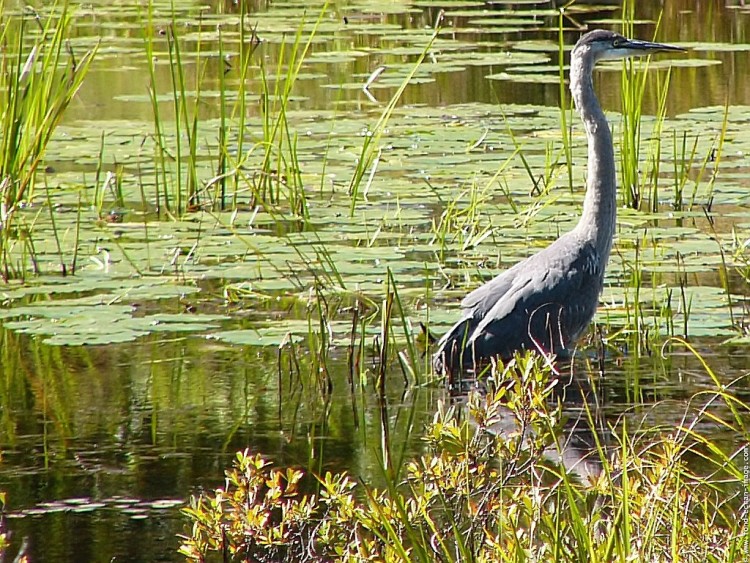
(546, 301)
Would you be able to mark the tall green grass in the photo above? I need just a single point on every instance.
(634, 81)
(566, 105)
(641, 176)
(370, 151)
(176, 142)
(265, 170)
(40, 74)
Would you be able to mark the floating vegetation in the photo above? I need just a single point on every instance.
(134, 508)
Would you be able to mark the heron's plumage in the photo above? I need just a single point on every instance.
(547, 301)
(543, 297)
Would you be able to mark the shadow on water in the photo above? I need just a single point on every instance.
(577, 450)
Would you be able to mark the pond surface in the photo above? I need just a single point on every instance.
(183, 337)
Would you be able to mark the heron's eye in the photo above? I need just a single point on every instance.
(616, 42)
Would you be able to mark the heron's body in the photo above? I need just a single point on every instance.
(547, 301)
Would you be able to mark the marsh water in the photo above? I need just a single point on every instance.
(128, 384)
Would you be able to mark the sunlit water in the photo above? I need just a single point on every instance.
(101, 445)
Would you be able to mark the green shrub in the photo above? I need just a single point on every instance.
(482, 495)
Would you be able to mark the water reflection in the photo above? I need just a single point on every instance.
(100, 439)
(109, 435)
(640, 400)
(580, 442)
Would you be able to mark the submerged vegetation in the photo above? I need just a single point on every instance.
(214, 198)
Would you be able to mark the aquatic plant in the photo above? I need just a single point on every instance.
(37, 84)
(5, 535)
(479, 494)
(4, 543)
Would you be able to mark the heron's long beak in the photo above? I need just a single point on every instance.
(648, 46)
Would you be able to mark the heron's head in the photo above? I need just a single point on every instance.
(600, 44)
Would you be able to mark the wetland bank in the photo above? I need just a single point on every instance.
(228, 244)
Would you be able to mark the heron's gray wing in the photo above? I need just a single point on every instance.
(567, 273)
(479, 302)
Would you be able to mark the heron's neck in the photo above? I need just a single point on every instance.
(598, 221)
